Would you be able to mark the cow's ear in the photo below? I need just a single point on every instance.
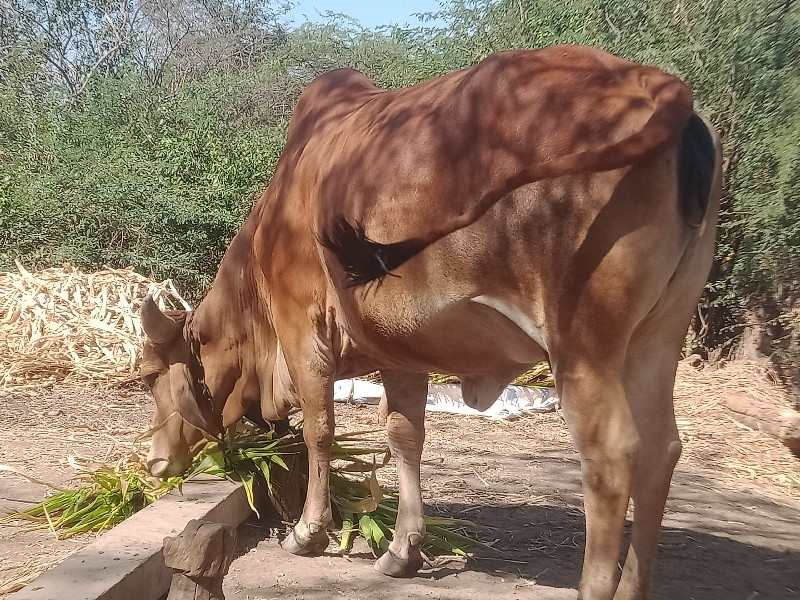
(189, 407)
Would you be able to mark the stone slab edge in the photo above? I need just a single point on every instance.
(126, 562)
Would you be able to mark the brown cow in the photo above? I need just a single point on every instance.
(555, 203)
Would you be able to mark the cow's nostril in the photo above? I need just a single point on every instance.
(158, 467)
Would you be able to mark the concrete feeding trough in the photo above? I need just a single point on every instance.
(127, 561)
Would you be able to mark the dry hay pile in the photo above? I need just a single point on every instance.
(713, 439)
(66, 325)
(539, 375)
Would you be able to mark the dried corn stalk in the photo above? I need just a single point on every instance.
(66, 325)
(537, 376)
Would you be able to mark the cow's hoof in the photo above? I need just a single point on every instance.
(392, 565)
(313, 545)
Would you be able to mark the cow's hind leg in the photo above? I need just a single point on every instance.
(649, 380)
(597, 413)
(405, 425)
(651, 361)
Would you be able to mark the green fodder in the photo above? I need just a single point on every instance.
(111, 494)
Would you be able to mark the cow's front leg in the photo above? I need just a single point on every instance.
(309, 536)
(405, 396)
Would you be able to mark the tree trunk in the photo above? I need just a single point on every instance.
(774, 419)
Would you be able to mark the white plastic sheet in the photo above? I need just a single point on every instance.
(512, 403)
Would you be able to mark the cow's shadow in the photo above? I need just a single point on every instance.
(543, 544)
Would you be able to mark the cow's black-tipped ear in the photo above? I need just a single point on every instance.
(362, 259)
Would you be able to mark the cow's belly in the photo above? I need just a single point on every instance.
(477, 335)
(486, 341)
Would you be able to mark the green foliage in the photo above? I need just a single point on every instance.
(134, 177)
(363, 505)
(245, 457)
(110, 495)
(390, 57)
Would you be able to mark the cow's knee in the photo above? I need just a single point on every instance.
(607, 470)
(674, 451)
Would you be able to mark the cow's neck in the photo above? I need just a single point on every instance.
(235, 331)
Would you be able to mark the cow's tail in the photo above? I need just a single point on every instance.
(365, 260)
(697, 161)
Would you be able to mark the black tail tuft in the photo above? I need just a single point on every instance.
(697, 160)
(362, 259)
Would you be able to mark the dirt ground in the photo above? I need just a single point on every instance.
(731, 531)
(37, 434)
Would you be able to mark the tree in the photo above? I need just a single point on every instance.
(187, 39)
(73, 40)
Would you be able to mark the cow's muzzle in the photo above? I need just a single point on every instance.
(167, 467)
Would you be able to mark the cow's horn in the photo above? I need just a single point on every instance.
(160, 328)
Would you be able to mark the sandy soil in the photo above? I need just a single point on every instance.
(726, 535)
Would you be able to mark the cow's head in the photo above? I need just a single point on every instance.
(206, 370)
(171, 370)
